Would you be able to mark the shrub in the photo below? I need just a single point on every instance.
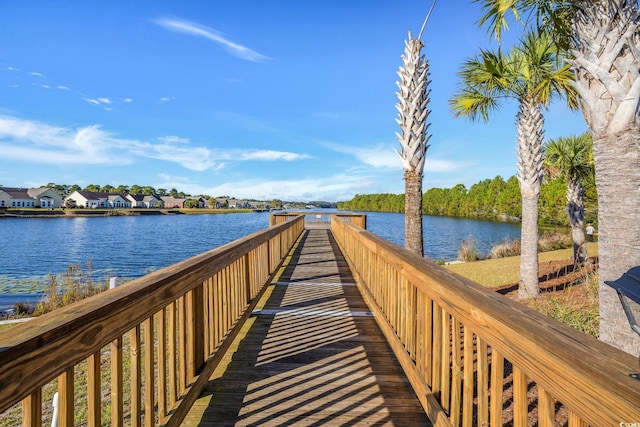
(506, 249)
(554, 240)
(468, 251)
(584, 317)
(76, 285)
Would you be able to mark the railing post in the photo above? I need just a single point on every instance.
(32, 410)
(247, 279)
(195, 345)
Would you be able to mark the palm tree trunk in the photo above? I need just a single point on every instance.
(575, 210)
(530, 123)
(606, 65)
(413, 212)
(617, 161)
(528, 286)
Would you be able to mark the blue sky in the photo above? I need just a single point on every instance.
(283, 99)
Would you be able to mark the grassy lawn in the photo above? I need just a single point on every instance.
(494, 273)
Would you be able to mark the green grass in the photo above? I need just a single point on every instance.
(576, 308)
(494, 273)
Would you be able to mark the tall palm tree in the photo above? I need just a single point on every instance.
(572, 159)
(603, 36)
(532, 74)
(413, 98)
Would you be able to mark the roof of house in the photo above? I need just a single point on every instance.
(90, 195)
(16, 193)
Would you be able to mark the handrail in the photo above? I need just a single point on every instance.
(457, 341)
(315, 217)
(175, 319)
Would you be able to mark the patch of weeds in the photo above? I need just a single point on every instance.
(578, 311)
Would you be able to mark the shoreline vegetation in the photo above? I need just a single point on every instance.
(494, 199)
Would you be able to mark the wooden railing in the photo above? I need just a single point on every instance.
(313, 217)
(150, 344)
(476, 358)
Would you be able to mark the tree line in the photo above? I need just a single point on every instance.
(491, 199)
(65, 189)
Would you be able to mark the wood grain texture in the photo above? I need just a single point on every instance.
(587, 376)
(33, 354)
(311, 354)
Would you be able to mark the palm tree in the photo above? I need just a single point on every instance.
(572, 159)
(533, 75)
(413, 98)
(603, 37)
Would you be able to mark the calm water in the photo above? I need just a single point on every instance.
(132, 246)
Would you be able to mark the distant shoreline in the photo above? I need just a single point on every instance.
(60, 213)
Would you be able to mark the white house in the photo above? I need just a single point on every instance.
(46, 197)
(11, 197)
(89, 199)
(145, 201)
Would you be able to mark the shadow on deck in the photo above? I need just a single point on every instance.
(311, 354)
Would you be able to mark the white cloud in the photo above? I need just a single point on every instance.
(378, 156)
(173, 139)
(332, 188)
(166, 99)
(11, 69)
(127, 101)
(195, 29)
(35, 74)
(437, 165)
(197, 159)
(37, 142)
(103, 101)
(63, 87)
(382, 156)
(270, 155)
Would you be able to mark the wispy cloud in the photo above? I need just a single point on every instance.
(382, 156)
(195, 29)
(98, 101)
(171, 139)
(331, 188)
(63, 87)
(36, 142)
(271, 155)
(377, 156)
(36, 74)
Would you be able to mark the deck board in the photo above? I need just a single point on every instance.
(310, 355)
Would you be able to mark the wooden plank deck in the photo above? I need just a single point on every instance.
(310, 355)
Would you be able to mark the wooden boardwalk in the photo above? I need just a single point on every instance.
(310, 355)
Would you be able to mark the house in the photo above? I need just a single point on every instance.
(89, 199)
(173, 202)
(239, 204)
(46, 197)
(202, 203)
(42, 197)
(145, 201)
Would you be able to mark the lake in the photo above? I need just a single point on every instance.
(131, 246)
